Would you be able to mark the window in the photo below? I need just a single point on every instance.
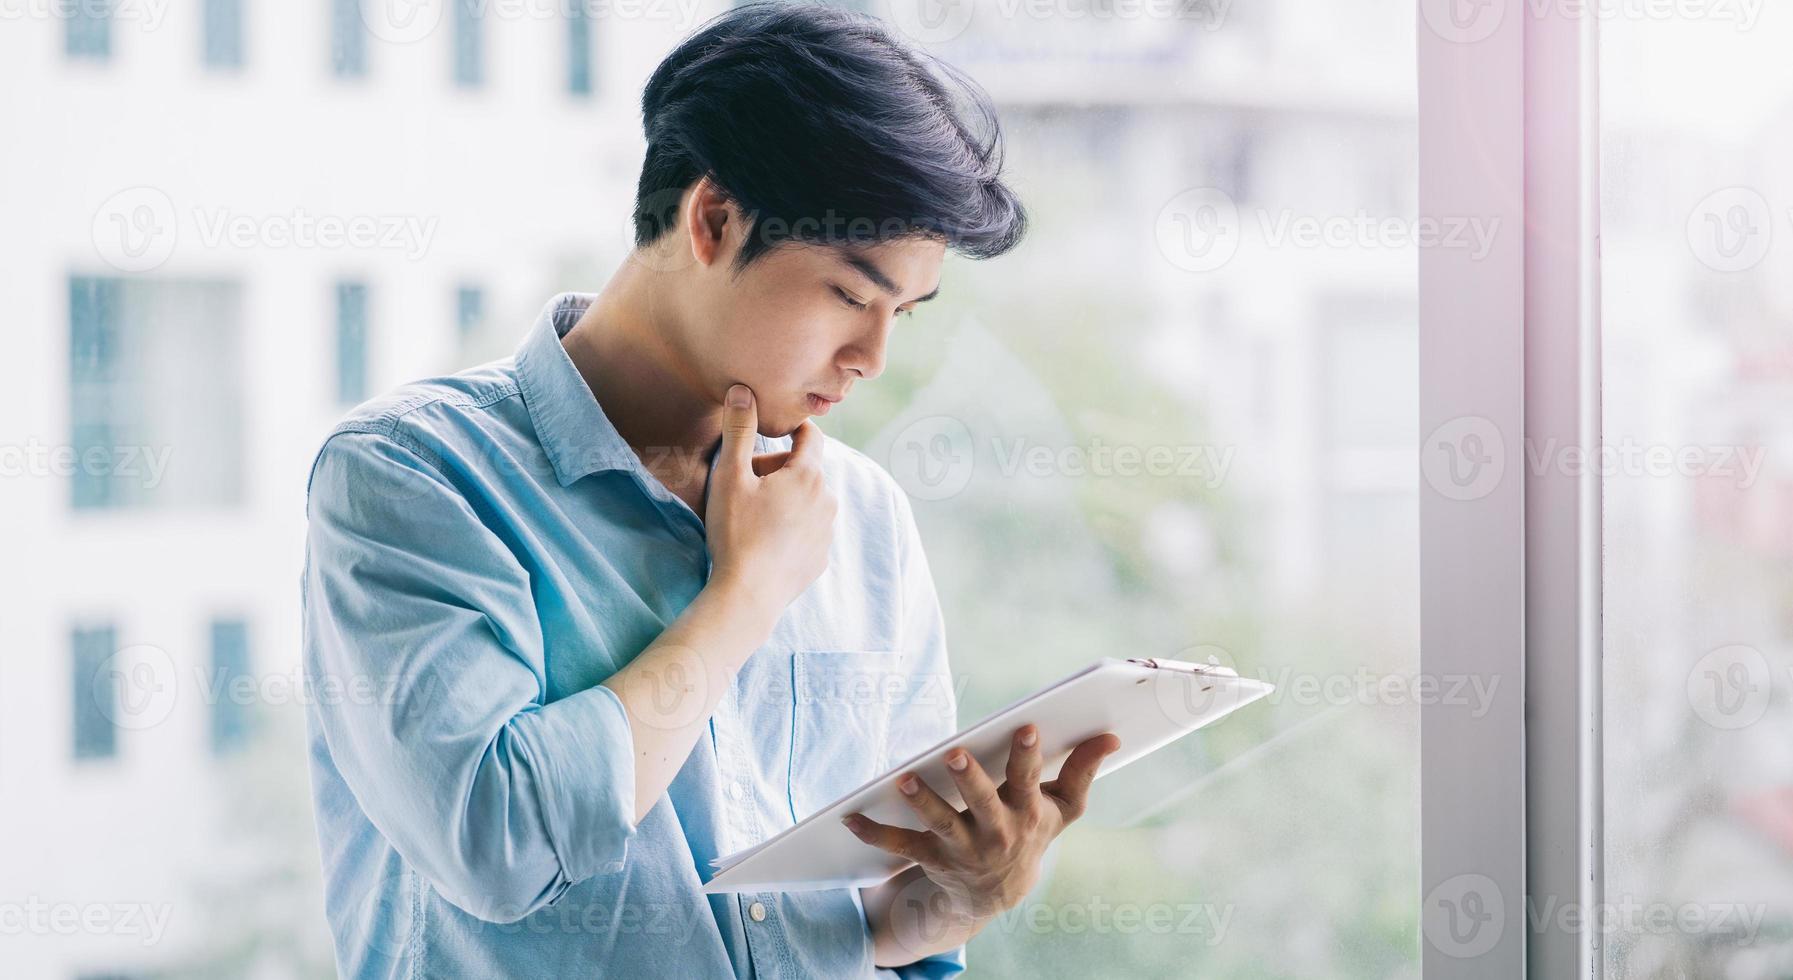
(155, 394)
(1697, 378)
(579, 48)
(223, 33)
(348, 39)
(88, 28)
(94, 696)
(351, 342)
(231, 719)
(469, 44)
(1091, 471)
(470, 311)
(94, 379)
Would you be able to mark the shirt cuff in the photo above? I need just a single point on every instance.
(584, 755)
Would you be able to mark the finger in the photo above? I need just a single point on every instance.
(806, 444)
(976, 789)
(769, 462)
(901, 841)
(1024, 765)
(740, 422)
(937, 815)
(1071, 789)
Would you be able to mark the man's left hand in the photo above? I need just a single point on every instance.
(986, 858)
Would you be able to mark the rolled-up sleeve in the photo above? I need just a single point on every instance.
(930, 712)
(421, 639)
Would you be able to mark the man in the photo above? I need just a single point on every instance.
(583, 619)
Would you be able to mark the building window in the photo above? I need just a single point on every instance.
(231, 717)
(470, 311)
(155, 394)
(579, 45)
(469, 44)
(95, 697)
(224, 33)
(351, 342)
(94, 383)
(348, 39)
(88, 27)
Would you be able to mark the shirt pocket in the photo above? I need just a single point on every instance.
(840, 723)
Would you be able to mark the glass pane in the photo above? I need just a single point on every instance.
(1698, 369)
(94, 705)
(1179, 421)
(469, 43)
(155, 395)
(579, 48)
(88, 31)
(351, 342)
(224, 33)
(348, 39)
(233, 683)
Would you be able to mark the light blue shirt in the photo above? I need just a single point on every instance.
(483, 550)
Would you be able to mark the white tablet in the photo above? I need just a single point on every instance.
(1148, 703)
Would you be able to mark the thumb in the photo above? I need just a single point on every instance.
(740, 423)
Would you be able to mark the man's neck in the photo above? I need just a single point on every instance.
(624, 348)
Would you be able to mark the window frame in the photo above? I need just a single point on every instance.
(1510, 573)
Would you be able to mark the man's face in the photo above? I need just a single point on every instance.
(805, 323)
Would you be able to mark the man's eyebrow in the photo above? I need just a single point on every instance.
(882, 281)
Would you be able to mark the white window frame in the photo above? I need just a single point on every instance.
(1509, 359)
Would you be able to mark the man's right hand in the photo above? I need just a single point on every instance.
(769, 519)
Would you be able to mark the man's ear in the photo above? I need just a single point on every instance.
(714, 221)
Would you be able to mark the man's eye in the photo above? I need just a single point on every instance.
(850, 301)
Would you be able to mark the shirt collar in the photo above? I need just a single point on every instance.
(574, 431)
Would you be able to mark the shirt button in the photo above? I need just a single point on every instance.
(758, 911)
(734, 792)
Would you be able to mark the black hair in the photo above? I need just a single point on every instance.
(822, 128)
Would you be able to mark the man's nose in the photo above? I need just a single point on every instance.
(866, 355)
